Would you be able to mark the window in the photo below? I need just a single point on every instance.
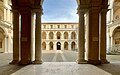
(72, 26)
(44, 26)
(51, 26)
(58, 26)
(65, 26)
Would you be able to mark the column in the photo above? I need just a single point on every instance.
(47, 45)
(25, 36)
(16, 37)
(93, 36)
(81, 38)
(69, 46)
(62, 45)
(38, 51)
(5, 14)
(32, 35)
(62, 35)
(54, 46)
(102, 39)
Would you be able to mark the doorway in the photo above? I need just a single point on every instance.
(58, 46)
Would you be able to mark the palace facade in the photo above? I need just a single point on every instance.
(59, 36)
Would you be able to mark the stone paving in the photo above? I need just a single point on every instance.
(59, 63)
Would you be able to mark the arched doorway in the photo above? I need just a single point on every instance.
(73, 46)
(2, 40)
(51, 45)
(66, 46)
(43, 46)
(58, 46)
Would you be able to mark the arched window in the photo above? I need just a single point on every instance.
(73, 35)
(43, 46)
(58, 35)
(51, 45)
(51, 35)
(65, 35)
(66, 46)
(73, 45)
(43, 35)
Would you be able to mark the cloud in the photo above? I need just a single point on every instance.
(61, 11)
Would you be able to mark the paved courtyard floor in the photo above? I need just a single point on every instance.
(59, 63)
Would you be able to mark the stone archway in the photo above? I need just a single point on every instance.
(51, 35)
(43, 46)
(58, 46)
(43, 35)
(66, 46)
(116, 36)
(65, 35)
(58, 35)
(2, 40)
(51, 45)
(73, 35)
(73, 45)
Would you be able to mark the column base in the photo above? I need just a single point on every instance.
(104, 61)
(37, 62)
(81, 61)
(14, 62)
(94, 62)
(25, 62)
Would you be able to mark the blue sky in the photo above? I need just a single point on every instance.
(59, 11)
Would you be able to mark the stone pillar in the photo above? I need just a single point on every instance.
(47, 46)
(32, 35)
(81, 38)
(62, 45)
(93, 36)
(102, 39)
(38, 50)
(54, 46)
(25, 35)
(16, 37)
(69, 46)
(62, 35)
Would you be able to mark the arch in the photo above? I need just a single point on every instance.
(65, 45)
(43, 35)
(58, 35)
(73, 35)
(2, 40)
(43, 46)
(51, 35)
(116, 35)
(58, 46)
(73, 45)
(51, 45)
(65, 35)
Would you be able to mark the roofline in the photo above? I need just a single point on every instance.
(59, 22)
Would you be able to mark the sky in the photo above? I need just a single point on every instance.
(59, 11)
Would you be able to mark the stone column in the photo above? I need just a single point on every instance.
(25, 35)
(69, 46)
(102, 39)
(32, 35)
(38, 51)
(54, 46)
(47, 46)
(62, 45)
(93, 36)
(16, 37)
(81, 38)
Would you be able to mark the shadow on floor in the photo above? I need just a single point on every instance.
(9, 69)
(113, 68)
